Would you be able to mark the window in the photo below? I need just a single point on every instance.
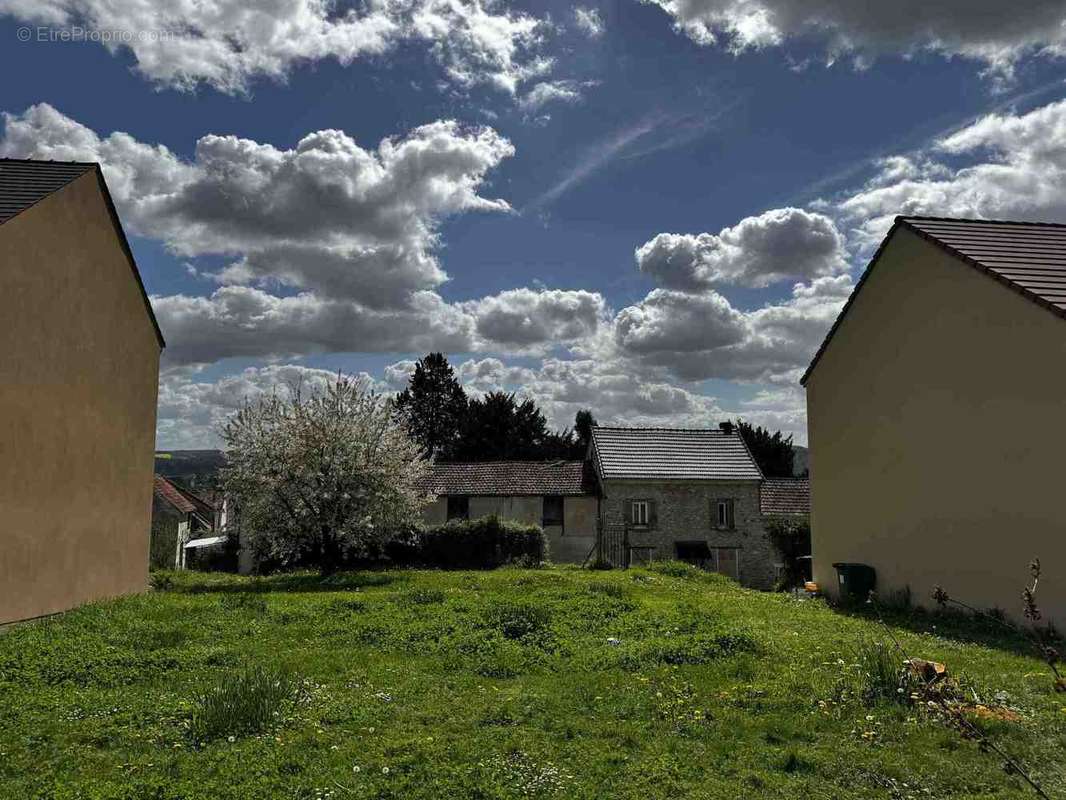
(722, 514)
(552, 515)
(639, 513)
(458, 507)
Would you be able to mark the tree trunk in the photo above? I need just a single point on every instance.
(328, 554)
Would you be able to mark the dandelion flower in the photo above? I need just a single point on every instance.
(384, 770)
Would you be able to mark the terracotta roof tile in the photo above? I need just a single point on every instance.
(165, 490)
(510, 478)
(785, 496)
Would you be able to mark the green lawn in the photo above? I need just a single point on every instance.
(508, 684)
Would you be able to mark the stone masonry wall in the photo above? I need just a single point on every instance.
(683, 510)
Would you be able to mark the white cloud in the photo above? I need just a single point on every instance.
(522, 318)
(562, 91)
(588, 21)
(694, 337)
(397, 375)
(777, 245)
(618, 394)
(249, 322)
(192, 411)
(244, 321)
(228, 43)
(327, 215)
(990, 31)
(492, 374)
(1009, 166)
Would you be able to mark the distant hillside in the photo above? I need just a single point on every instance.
(196, 469)
(800, 460)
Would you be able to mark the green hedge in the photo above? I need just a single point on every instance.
(484, 543)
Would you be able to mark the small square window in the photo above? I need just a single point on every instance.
(458, 507)
(640, 512)
(723, 515)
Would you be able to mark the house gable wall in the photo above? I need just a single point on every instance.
(78, 379)
(683, 511)
(936, 435)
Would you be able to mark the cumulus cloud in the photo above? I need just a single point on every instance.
(1009, 166)
(777, 245)
(589, 21)
(249, 322)
(228, 43)
(989, 31)
(492, 374)
(327, 215)
(622, 395)
(245, 321)
(695, 337)
(191, 410)
(520, 318)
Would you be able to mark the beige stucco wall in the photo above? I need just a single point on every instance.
(520, 509)
(79, 365)
(569, 544)
(936, 435)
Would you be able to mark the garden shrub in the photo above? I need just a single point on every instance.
(243, 703)
(518, 620)
(484, 543)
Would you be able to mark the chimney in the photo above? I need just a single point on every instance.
(726, 427)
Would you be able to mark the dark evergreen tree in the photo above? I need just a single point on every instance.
(499, 427)
(771, 451)
(434, 406)
(584, 422)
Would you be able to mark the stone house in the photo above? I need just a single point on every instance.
(934, 413)
(688, 494)
(78, 378)
(560, 496)
(187, 528)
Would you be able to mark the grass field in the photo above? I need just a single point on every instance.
(508, 684)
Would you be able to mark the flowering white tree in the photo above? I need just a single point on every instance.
(322, 473)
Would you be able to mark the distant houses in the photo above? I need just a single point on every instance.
(189, 529)
(642, 494)
(78, 380)
(692, 495)
(935, 414)
(560, 496)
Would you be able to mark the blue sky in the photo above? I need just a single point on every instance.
(579, 143)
